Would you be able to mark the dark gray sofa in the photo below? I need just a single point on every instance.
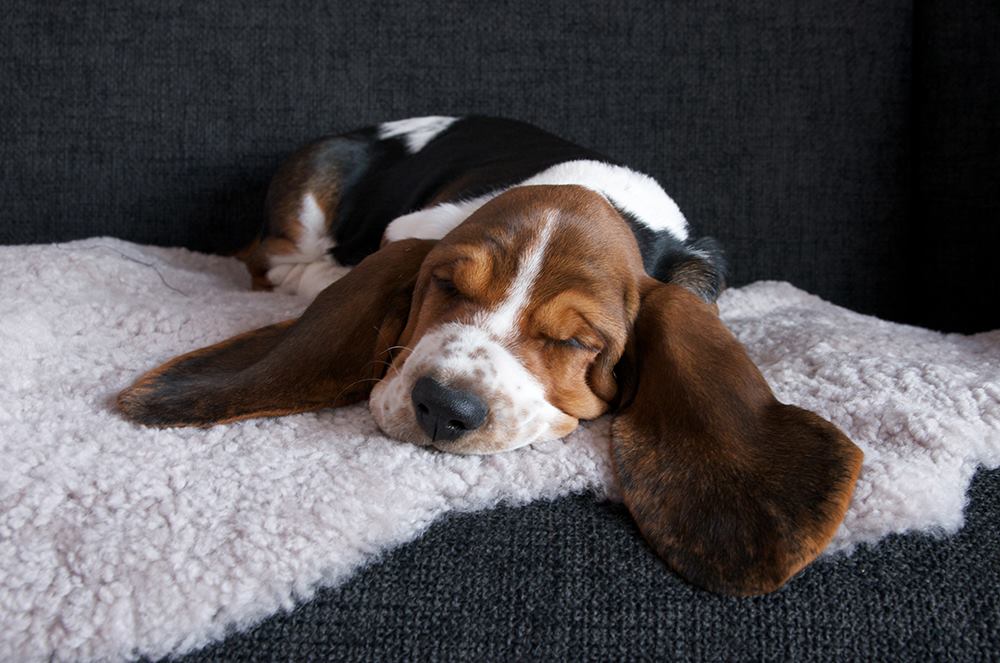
(851, 148)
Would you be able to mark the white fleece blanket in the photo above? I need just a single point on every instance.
(118, 541)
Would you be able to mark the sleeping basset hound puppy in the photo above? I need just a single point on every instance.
(487, 285)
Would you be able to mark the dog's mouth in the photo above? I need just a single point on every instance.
(461, 391)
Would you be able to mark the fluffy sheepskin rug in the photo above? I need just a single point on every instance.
(118, 541)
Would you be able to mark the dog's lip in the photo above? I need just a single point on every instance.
(413, 434)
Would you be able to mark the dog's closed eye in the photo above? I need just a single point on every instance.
(571, 343)
(446, 286)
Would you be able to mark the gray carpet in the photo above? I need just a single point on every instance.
(572, 580)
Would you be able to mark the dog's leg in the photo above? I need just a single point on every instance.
(303, 266)
(293, 256)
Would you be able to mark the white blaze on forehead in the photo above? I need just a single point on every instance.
(417, 131)
(501, 321)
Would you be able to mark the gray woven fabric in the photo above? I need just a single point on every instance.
(571, 580)
(781, 128)
(850, 148)
(956, 185)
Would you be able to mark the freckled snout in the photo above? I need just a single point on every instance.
(446, 413)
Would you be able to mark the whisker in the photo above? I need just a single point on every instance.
(398, 347)
(387, 364)
(344, 390)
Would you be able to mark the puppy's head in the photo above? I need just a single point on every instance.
(518, 319)
(533, 314)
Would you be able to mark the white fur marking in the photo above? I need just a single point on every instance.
(313, 240)
(502, 321)
(418, 131)
(433, 222)
(311, 269)
(632, 192)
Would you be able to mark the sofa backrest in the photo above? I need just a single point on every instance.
(785, 129)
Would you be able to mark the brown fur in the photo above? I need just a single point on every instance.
(733, 489)
(588, 290)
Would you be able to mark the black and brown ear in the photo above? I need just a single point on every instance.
(698, 265)
(736, 491)
(331, 356)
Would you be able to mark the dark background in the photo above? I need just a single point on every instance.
(851, 148)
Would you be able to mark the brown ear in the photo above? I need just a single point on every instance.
(332, 355)
(736, 491)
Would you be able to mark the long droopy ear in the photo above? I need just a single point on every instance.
(332, 355)
(736, 491)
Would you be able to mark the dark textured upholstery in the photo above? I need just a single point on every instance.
(956, 184)
(570, 580)
(851, 148)
(785, 129)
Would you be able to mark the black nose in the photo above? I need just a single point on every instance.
(445, 413)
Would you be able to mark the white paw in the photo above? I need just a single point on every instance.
(305, 279)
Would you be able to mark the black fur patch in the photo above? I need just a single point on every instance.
(699, 265)
(487, 153)
(383, 181)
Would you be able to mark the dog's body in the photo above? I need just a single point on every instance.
(337, 200)
(515, 284)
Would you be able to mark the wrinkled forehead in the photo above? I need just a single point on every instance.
(561, 237)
